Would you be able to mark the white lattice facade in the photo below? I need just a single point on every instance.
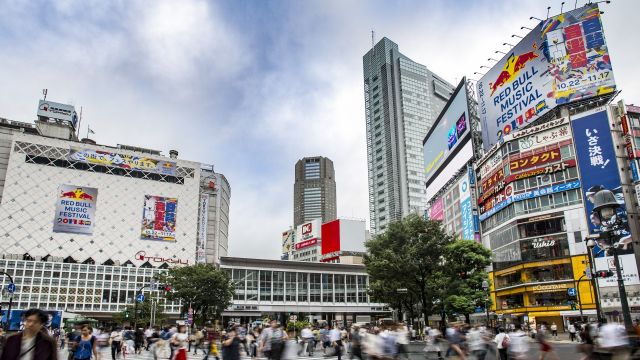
(30, 192)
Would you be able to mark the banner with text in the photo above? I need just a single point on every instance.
(75, 209)
(159, 218)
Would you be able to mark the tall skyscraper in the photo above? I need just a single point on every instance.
(314, 190)
(402, 100)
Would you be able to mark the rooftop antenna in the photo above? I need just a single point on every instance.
(79, 122)
(561, 6)
(44, 92)
(548, 8)
(373, 33)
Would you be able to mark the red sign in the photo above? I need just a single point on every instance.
(306, 243)
(307, 228)
(331, 237)
(535, 160)
(330, 259)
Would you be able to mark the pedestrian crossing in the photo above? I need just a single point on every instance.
(148, 355)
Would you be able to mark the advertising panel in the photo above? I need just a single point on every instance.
(331, 237)
(306, 243)
(75, 209)
(598, 167)
(549, 137)
(202, 228)
(308, 230)
(450, 170)
(130, 162)
(50, 109)
(287, 241)
(466, 211)
(449, 132)
(159, 218)
(563, 59)
(536, 159)
(436, 212)
(17, 319)
(628, 268)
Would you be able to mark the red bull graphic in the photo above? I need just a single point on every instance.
(75, 209)
(159, 218)
(562, 60)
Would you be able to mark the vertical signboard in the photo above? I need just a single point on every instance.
(203, 219)
(159, 218)
(599, 171)
(465, 209)
(75, 209)
(562, 60)
(437, 210)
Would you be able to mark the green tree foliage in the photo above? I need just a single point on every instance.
(203, 287)
(438, 272)
(144, 314)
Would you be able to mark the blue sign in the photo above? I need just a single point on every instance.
(140, 298)
(572, 292)
(11, 288)
(17, 319)
(598, 168)
(479, 310)
(634, 170)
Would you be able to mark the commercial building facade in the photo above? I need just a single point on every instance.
(314, 190)
(332, 293)
(402, 100)
(85, 225)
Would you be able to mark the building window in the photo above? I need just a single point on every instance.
(290, 286)
(252, 285)
(314, 287)
(339, 288)
(327, 288)
(278, 286)
(303, 283)
(265, 285)
(351, 289)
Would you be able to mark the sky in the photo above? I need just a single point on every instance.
(253, 86)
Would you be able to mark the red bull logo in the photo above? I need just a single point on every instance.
(76, 194)
(512, 68)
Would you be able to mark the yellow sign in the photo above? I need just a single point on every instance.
(549, 288)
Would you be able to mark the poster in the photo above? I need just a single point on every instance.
(159, 218)
(123, 161)
(202, 228)
(75, 209)
(436, 212)
(599, 170)
(17, 319)
(562, 60)
(466, 209)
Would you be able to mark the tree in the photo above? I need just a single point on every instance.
(207, 290)
(409, 255)
(144, 314)
(441, 275)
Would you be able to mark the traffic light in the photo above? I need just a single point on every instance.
(603, 274)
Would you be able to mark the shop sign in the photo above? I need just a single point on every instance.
(542, 243)
(551, 136)
(494, 161)
(306, 243)
(549, 288)
(634, 171)
(535, 160)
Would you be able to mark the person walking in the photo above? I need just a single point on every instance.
(335, 337)
(545, 346)
(572, 332)
(116, 343)
(307, 340)
(180, 340)
(502, 342)
(554, 330)
(231, 345)
(272, 341)
(31, 343)
(86, 345)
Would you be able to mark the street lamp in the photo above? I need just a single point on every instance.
(591, 243)
(485, 287)
(604, 206)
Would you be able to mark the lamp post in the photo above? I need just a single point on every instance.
(591, 243)
(485, 287)
(604, 206)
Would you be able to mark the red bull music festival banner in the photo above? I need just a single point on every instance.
(562, 60)
(75, 209)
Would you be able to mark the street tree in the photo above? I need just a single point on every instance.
(144, 314)
(409, 255)
(201, 287)
(465, 264)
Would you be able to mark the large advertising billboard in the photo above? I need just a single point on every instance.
(563, 59)
(449, 132)
(466, 210)
(159, 218)
(75, 209)
(309, 230)
(17, 319)
(54, 110)
(287, 241)
(131, 162)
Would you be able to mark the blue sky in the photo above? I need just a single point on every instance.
(252, 86)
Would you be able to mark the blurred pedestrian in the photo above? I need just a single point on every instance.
(179, 340)
(86, 345)
(31, 343)
(502, 343)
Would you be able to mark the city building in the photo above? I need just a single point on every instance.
(276, 289)
(402, 100)
(314, 190)
(86, 225)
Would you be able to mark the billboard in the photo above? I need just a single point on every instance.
(331, 237)
(17, 319)
(306, 243)
(287, 241)
(203, 219)
(436, 212)
(628, 268)
(308, 230)
(449, 132)
(449, 171)
(563, 59)
(159, 218)
(599, 170)
(466, 209)
(50, 109)
(75, 209)
(131, 162)
(343, 235)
